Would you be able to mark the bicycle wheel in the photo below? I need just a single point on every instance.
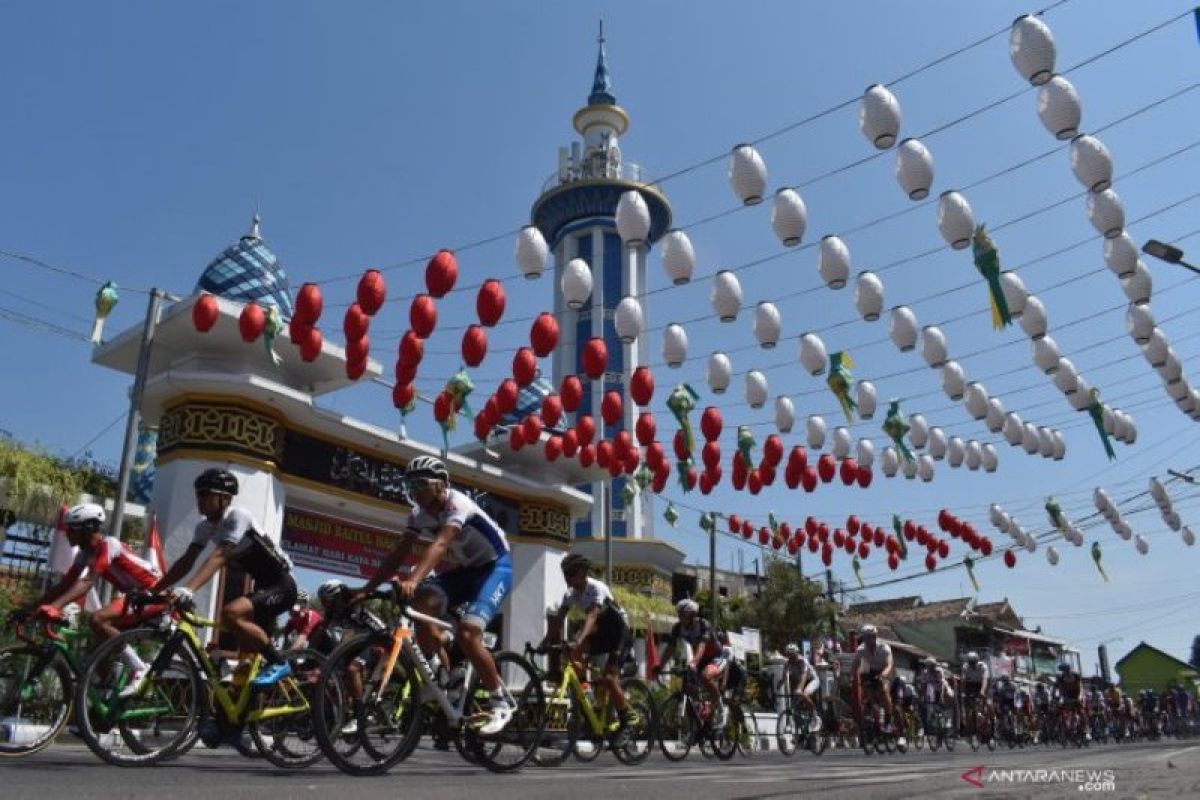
(363, 726)
(640, 734)
(676, 727)
(289, 740)
(37, 689)
(786, 732)
(749, 741)
(154, 722)
(558, 739)
(513, 746)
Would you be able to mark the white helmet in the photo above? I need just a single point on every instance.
(972, 657)
(868, 630)
(687, 606)
(791, 650)
(85, 513)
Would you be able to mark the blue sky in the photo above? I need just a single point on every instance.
(140, 138)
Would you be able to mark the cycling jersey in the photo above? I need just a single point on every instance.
(116, 563)
(973, 677)
(594, 593)
(932, 686)
(872, 661)
(479, 541)
(1070, 687)
(262, 558)
(802, 676)
(611, 636)
(304, 623)
(699, 635)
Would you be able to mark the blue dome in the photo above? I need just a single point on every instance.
(248, 271)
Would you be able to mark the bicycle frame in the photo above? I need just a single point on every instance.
(402, 641)
(595, 715)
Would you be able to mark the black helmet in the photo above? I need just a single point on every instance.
(575, 562)
(427, 467)
(217, 481)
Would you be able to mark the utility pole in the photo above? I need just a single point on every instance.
(832, 611)
(712, 571)
(603, 489)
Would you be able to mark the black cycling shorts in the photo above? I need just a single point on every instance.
(272, 600)
(611, 638)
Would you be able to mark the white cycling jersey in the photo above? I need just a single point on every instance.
(874, 660)
(480, 539)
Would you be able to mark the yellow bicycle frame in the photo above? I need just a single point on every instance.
(593, 714)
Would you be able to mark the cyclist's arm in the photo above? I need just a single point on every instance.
(178, 569)
(55, 592)
(75, 591)
(390, 565)
(886, 672)
(217, 559)
(589, 625)
(434, 553)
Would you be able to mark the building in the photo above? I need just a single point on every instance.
(1147, 667)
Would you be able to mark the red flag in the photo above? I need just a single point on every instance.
(154, 548)
(61, 554)
(651, 650)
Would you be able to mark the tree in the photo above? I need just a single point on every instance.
(789, 608)
(1195, 659)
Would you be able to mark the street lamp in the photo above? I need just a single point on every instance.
(1168, 253)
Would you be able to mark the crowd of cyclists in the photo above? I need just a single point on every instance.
(370, 690)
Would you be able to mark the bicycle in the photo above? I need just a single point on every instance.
(939, 728)
(176, 703)
(400, 690)
(799, 724)
(740, 731)
(977, 723)
(686, 716)
(874, 731)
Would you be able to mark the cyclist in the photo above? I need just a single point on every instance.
(303, 622)
(604, 633)
(100, 557)
(702, 639)
(872, 670)
(237, 539)
(934, 690)
(974, 686)
(1069, 689)
(447, 528)
(804, 682)
(731, 672)
(1004, 698)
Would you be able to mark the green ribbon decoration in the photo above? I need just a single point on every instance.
(746, 444)
(987, 261)
(772, 523)
(629, 493)
(969, 563)
(896, 426)
(1096, 557)
(840, 382)
(106, 300)
(643, 476)
(272, 327)
(898, 527)
(857, 571)
(1096, 412)
(1055, 512)
(681, 401)
(708, 521)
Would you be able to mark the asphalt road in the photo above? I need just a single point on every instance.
(1167, 769)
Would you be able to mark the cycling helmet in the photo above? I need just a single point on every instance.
(428, 468)
(329, 592)
(791, 650)
(868, 630)
(972, 657)
(85, 514)
(217, 481)
(302, 598)
(931, 662)
(687, 606)
(575, 562)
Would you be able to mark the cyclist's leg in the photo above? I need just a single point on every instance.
(250, 618)
(103, 623)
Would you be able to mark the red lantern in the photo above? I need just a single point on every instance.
(586, 427)
(587, 455)
(571, 393)
(611, 407)
(310, 345)
(641, 386)
(933, 543)
(543, 334)
(827, 555)
(632, 459)
(943, 519)
(910, 530)
(441, 273)
(506, 396)
(489, 304)
(645, 428)
(482, 426)
(754, 482)
(251, 322)
(922, 536)
(826, 467)
(864, 549)
(943, 549)
(570, 443)
(849, 471)
(205, 312)
(422, 315)
(985, 546)
(533, 428)
(710, 454)
(491, 410)
(764, 535)
(772, 452)
(864, 476)
(604, 452)
(706, 485)
(711, 424)
(594, 358)
(443, 407)
(767, 474)
(358, 349)
(747, 529)
(798, 458)
(412, 349)
(785, 531)
(792, 547)
(655, 456)
(893, 562)
(853, 525)
(551, 410)
(614, 466)
(355, 369)
(297, 331)
(474, 345)
(791, 477)
(930, 562)
(814, 544)
(516, 437)
(809, 478)
(681, 449)
(622, 444)
(355, 323)
(966, 529)
(524, 366)
(735, 523)
(372, 291)
(403, 394)
(309, 304)
(810, 526)
(1010, 559)
(405, 373)
(839, 537)
(879, 538)
(739, 478)
(660, 481)
(553, 448)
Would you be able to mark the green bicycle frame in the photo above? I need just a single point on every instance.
(570, 682)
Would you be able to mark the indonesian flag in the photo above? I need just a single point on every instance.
(651, 649)
(154, 548)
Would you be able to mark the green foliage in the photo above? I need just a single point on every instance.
(639, 606)
(789, 607)
(34, 484)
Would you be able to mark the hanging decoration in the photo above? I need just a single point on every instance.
(903, 329)
(1058, 108)
(681, 401)
(756, 388)
(205, 312)
(531, 252)
(1031, 47)
(675, 345)
(785, 414)
(933, 346)
(474, 345)
(955, 220)
(969, 564)
(457, 390)
(679, 259)
(720, 371)
(879, 116)
(914, 169)
(812, 353)
(1096, 555)
(1096, 411)
(641, 386)
(833, 262)
(789, 217)
(726, 296)
(576, 283)
(987, 261)
(868, 295)
(595, 358)
(441, 273)
(490, 302)
(747, 174)
(632, 218)
(895, 425)
(543, 334)
(422, 316)
(745, 445)
(106, 300)
(670, 514)
(767, 325)
(371, 292)
(840, 382)
(271, 328)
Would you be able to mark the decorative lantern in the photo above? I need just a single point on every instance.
(679, 259)
(1046, 355)
(1060, 445)
(576, 283)
(977, 400)
(489, 304)
(868, 296)
(641, 385)
(711, 424)
(1189, 538)
(914, 169)
(903, 329)
(937, 443)
(995, 414)
(1081, 399)
(864, 452)
(1106, 212)
(956, 451)
(933, 346)
(879, 116)
(371, 293)
(611, 407)
(1172, 374)
(1141, 544)
(595, 358)
(841, 443)
(925, 467)
(403, 394)
(310, 345)
(532, 428)
(251, 322)
(552, 410)
(585, 427)
(543, 334)
(1138, 285)
(356, 322)
(785, 414)
(1157, 348)
(309, 304)
(1029, 439)
(909, 468)
(955, 220)
(506, 396)
(1066, 377)
(747, 174)
(1033, 318)
(726, 295)
(918, 430)
(789, 217)
(1058, 107)
(205, 312)
(357, 349)
(571, 392)
(675, 345)
(1031, 47)
(889, 462)
(1015, 293)
(815, 429)
(812, 353)
(627, 319)
(756, 388)
(531, 252)
(422, 316)
(441, 273)
(524, 366)
(974, 455)
(833, 262)
(720, 370)
(953, 380)
(988, 456)
(766, 324)
(1091, 163)
(867, 399)
(633, 218)
(1121, 255)
(1139, 321)
(355, 369)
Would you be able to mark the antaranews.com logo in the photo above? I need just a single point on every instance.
(1087, 780)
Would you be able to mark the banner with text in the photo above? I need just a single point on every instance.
(315, 541)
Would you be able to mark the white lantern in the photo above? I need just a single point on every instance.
(1172, 519)
(1141, 544)
(1076, 535)
(1066, 378)
(1014, 428)
(1108, 418)
(1091, 162)
(1157, 348)
(576, 283)
(766, 324)
(1159, 492)
(841, 442)
(933, 346)
(1189, 538)
(974, 455)
(1122, 529)
(918, 430)
(1046, 355)
(1060, 445)
(627, 319)
(747, 174)
(679, 259)
(756, 388)
(937, 443)
(633, 218)
(1031, 47)
(1029, 439)
(998, 518)
(914, 169)
(903, 329)
(1082, 397)
(675, 345)
(990, 458)
(956, 451)
(864, 451)
(889, 462)
(955, 220)
(833, 262)
(1102, 499)
(814, 427)
(726, 295)
(532, 252)
(977, 400)
(1138, 285)
(995, 414)
(953, 380)
(1015, 293)
(868, 296)
(1139, 322)
(720, 370)
(785, 413)
(789, 217)
(925, 467)
(1052, 555)
(812, 353)
(1058, 107)
(1172, 373)
(1045, 442)
(1121, 255)
(1106, 212)
(1033, 318)
(1120, 426)
(866, 399)
(909, 468)
(879, 116)
(1031, 544)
